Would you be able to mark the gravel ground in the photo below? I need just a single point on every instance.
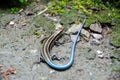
(20, 48)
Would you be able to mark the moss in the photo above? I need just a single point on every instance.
(73, 17)
(115, 38)
(37, 33)
(116, 54)
(60, 7)
(1, 15)
(116, 60)
(94, 10)
(14, 10)
(115, 66)
(44, 23)
(101, 17)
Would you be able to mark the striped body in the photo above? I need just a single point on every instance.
(48, 44)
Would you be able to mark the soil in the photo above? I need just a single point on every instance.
(20, 48)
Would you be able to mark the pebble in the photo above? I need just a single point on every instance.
(95, 42)
(96, 27)
(55, 19)
(11, 23)
(73, 29)
(33, 51)
(52, 71)
(24, 24)
(97, 36)
(106, 30)
(29, 13)
(100, 54)
(85, 33)
(58, 25)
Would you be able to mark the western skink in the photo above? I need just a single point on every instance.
(49, 43)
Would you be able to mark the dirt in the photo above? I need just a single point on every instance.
(20, 48)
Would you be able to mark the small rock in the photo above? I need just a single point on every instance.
(95, 42)
(73, 29)
(73, 37)
(24, 24)
(58, 25)
(106, 30)
(21, 10)
(33, 51)
(100, 54)
(96, 27)
(85, 33)
(11, 23)
(42, 38)
(97, 36)
(55, 19)
(29, 13)
(53, 71)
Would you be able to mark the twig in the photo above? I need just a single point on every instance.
(46, 8)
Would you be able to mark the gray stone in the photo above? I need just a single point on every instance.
(95, 42)
(100, 54)
(73, 37)
(97, 36)
(58, 25)
(53, 18)
(85, 33)
(75, 28)
(52, 71)
(11, 23)
(96, 27)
